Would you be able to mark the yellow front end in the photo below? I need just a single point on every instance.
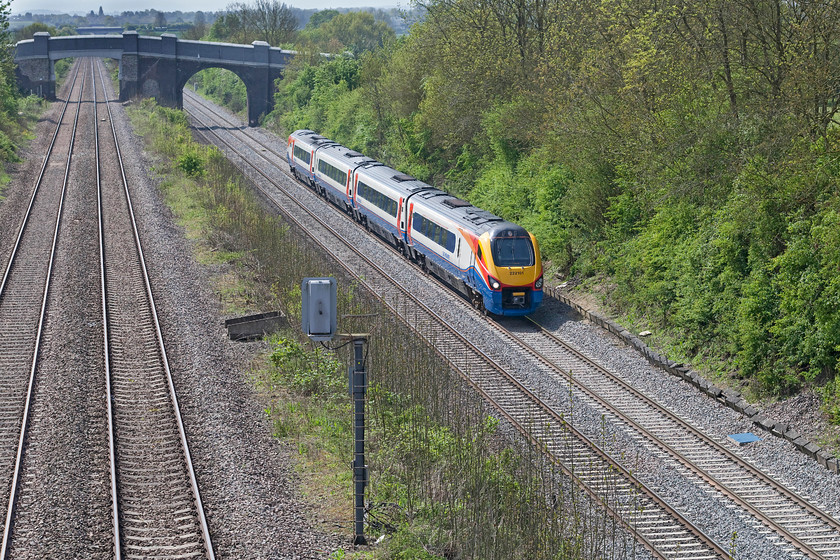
(509, 276)
(514, 288)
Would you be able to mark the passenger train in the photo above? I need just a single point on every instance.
(494, 263)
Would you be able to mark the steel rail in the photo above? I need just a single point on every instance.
(106, 336)
(613, 467)
(764, 477)
(24, 426)
(208, 545)
(680, 458)
(719, 551)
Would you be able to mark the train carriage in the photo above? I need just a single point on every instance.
(438, 240)
(381, 193)
(494, 263)
(334, 168)
(300, 152)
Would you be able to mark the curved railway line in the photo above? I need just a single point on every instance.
(654, 523)
(812, 531)
(154, 506)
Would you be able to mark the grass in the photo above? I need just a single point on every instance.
(293, 381)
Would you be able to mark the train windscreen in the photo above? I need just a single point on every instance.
(513, 251)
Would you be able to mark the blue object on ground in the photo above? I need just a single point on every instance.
(742, 439)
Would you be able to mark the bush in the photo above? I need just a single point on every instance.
(309, 373)
(191, 163)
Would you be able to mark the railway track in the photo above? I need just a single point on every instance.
(24, 293)
(157, 500)
(809, 528)
(140, 498)
(665, 532)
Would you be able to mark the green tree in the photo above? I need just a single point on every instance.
(229, 28)
(160, 20)
(319, 18)
(9, 96)
(198, 29)
(356, 32)
(8, 90)
(30, 30)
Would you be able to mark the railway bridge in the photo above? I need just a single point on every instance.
(155, 66)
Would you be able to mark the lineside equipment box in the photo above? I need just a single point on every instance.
(318, 308)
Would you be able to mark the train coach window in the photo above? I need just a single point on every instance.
(447, 240)
(434, 231)
(332, 172)
(513, 251)
(377, 198)
(302, 154)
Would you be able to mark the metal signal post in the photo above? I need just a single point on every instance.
(318, 321)
(358, 387)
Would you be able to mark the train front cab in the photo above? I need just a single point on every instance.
(511, 256)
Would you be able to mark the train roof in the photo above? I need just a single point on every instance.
(465, 214)
(312, 137)
(399, 181)
(345, 155)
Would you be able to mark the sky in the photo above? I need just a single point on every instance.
(115, 7)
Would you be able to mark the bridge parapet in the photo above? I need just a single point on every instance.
(155, 66)
(42, 45)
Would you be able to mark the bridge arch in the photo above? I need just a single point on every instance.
(155, 66)
(259, 90)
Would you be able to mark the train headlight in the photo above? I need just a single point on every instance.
(538, 284)
(495, 284)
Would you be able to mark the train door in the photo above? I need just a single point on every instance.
(471, 267)
(401, 212)
(352, 184)
(352, 181)
(409, 216)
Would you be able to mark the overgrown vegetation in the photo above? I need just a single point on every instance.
(681, 157)
(17, 114)
(445, 483)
